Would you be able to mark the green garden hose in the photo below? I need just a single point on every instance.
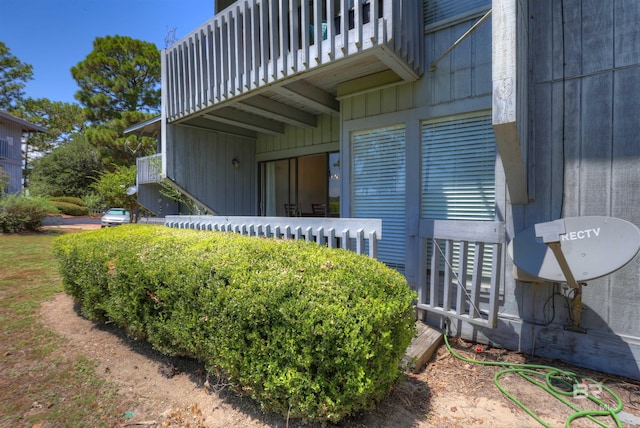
(545, 377)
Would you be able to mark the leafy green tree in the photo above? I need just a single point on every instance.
(14, 74)
(62, 120)
(69, 170)
(113, 186)
(116, 148)
(121, 74)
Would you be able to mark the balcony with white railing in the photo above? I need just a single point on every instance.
(149, 169)
(288, 57)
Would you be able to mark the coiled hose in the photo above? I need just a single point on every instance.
(545, 377)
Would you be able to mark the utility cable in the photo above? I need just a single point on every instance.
(547, 378)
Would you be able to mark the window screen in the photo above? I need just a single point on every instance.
(438, 10)
(378, 187)
(458, 173)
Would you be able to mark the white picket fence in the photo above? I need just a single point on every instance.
(355, 234)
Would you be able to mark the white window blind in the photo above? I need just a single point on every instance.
(438, 10)
(458, 173)
(458, 169)
(378, 187)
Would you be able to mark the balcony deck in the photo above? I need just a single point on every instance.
(149, 169)
(258, 65)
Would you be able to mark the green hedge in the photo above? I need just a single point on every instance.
(70, 209)
(68, 199)
(23, 214)
(309, 332)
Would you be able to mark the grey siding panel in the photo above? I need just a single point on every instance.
(625, 197)
(568, 45)
(461, 66)
(202, 164)
(627, 32)
(541, 24)
(624, 295)
(595, 145)
(300, 139)
(441, 82)
(584, 134)
(597, 35)
(481, 60)
(149, 196)
(12, 164)
(462, 74)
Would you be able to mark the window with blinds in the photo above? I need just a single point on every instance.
(458, 173)
(378, 187)
(439, 10)
(4, 148)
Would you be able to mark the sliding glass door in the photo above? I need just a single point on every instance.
(306, 186)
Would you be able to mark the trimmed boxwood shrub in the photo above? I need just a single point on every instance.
(308, 331)
(70, 209)
(23, 214)
(68, 199)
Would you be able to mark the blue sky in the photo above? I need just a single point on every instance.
(54, 35)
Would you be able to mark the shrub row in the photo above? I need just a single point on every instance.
(309, 332)
(23, 214)
(71, 209)
(69, 200)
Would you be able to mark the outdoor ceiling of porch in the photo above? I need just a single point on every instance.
(224, 77)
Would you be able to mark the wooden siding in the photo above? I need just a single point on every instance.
(149, 196)
(584, 130)
(459, 83)
(200, 162)
(300, 141)
(582, 159)
(11, 154)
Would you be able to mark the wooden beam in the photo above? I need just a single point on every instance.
(509, 104)
(278, 111)
(210, 124)
(305, 93)
(246, 120)
(368, 83)
(422, 347)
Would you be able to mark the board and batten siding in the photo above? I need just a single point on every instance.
(298, 141)
(201, 161)
(582, 150)
(585, 104)
(11, 134)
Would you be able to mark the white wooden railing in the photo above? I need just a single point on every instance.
(356, 234)
(460, 269)
(148, 169)
(254, 43)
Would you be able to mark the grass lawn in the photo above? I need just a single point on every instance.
(41, 382)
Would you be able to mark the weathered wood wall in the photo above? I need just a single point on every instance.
(582, 159)
(585, 107)
(201, 162)
(12, 163)
(300, 141)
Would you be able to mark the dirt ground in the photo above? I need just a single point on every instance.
(448, 392)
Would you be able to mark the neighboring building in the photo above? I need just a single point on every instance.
(12, 130)
(467, 121)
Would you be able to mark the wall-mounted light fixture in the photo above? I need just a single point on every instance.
(236, 163)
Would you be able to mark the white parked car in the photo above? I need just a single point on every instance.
(116, 217)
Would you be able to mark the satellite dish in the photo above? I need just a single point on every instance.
(132, 190)
(592, 246)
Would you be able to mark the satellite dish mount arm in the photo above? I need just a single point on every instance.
(551, 233)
